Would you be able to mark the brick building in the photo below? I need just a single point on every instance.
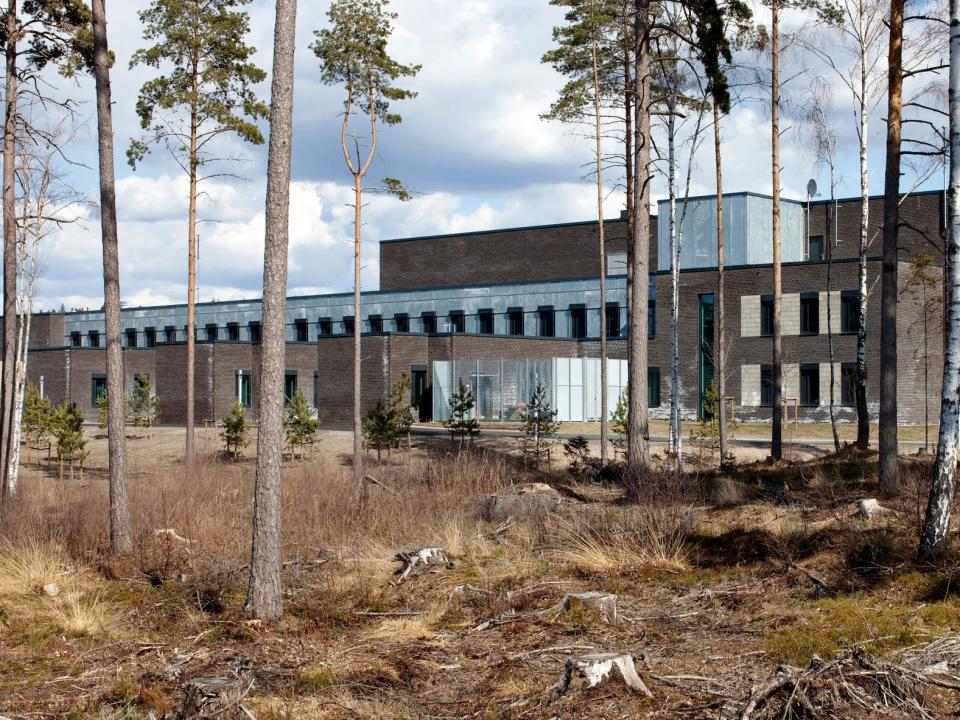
(483, 306)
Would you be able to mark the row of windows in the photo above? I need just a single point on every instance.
(810, 384)
(810, 313)
(455, 322)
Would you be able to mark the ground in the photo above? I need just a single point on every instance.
(720, 580)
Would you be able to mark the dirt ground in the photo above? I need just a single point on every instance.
(719, 581)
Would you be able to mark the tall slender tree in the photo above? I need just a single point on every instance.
(121, 539)
(264, 591)
(776, 439)
(207, 92)
(933, 538)
(353, 53)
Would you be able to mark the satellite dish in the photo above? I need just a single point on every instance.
(811, 188)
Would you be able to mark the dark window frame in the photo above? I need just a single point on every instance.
(809, 319)
(233, 331)
(347, 322)
(287, 375)
(130, 337)
(212, 332)
(325, 327)
(150, 337)
(612, 313)
(652, 318)
(428, 322)
(255, 332)
(76, 339)
(848, 384)
(458, 321)
(849, 312)
(169, 333)
(93, 338)
(806, 398)
(766, 385)
(766, 315)
(578, 321)
(485, 322)
(376, 323)
(301, 330)
(821, 242)
(546, 321)
(97, 380)
(515, 322)
(653, 387)
(401, 321)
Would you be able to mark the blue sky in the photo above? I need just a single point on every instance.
(472, 147)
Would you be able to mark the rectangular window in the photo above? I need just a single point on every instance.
(131, 334)
(243, 388)
(98, 388)
(289, 386)
(150, 337)
(401, 322)
(376, 323)
(849, 311)
(233, 331)
(613, 319)
(578, 322)
(766, 315)
(325, 326)
(815, 248)
(254, 332)
(94, 337)
(169, 334)
(316, 388)
(348, 325)
(653, 387)
(515, 321)
(848, 384)
(545, 321)
(300, 332)
(428, 321)
(76, 339)
(766, 385)
(810, 384)
(809, 314)
(458, 321)
(485, 322)
(652, 319)
(616, 263)
(212, 333)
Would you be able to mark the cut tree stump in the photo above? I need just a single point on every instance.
(420, 560)
(587, 671)
(500, 508)
(869, 508)
(210, 697)
(604, 604)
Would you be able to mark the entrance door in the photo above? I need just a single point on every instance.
(706, 354)
(419, 395)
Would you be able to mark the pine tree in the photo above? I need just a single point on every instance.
(68, 431)
(401, 412)
(300, 425)
(236, 430)
(379, 428)
(143, 404)
(539, 426)
(461, 422)
(621, 420)
(37, 417)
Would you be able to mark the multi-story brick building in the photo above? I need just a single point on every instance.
(497, 309)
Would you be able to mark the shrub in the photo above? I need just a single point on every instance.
(300, 424)
(401, 412)
(236, 430)
(539, 426)
(461, 422)
(379, 428)
(621, 421)
(68, 431)
(577, 450)
(37, 417)
(143, 406)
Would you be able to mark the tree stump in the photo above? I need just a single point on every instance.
(604, 604)
(587, 671)
(869, 508)
(211, 696)
(420, 560)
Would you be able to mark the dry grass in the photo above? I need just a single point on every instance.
(84, 614)
(27, 565)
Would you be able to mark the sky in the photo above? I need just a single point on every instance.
(472, 148)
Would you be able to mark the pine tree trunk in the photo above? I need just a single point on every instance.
(264, 592)
(357, 424)
(887, 468)
(776, 440)
(720, 350)
(863, 415)
(192, 287)
(628, 110)
(121, 540)
(604, 400)
(638, 448)
(933, 539)
(9, 242)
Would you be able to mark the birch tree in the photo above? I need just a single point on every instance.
(933, 538)
(353, 53)
(264, 590)
(206, 92)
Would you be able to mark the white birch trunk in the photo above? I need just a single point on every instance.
(863, 419)
(674, 296)
(934, 537)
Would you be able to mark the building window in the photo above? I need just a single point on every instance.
(848, 384)
(652, 318)
(233, 331)
(485, 322)
(243, 388)
(348, 325)
(76, 339)
(616, 263)
(401, 322)
(578, 322)
(150, 337)
(545, 321)
(653, 387)
(810, 384)
(766, 315)
(428, 321)
(98, 390)
(815, 248)
(849, 311)
(515, 321)
(212, 333)
(458, 321)
(612, 316)
(289, 386)
(316, 388)
(131, 334)
(94, 338)
(300, 332)
(253, 330)
(376, 323)
(766, 385)
(809, 314)
(325, 326)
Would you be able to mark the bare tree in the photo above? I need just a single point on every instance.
(120, 535)
(776, 439)
(264, 591)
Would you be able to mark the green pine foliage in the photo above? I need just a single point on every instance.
(579, 460)
(300, 425)
(236, 430)
(143, 406)
(621, 420)
(461, 422)
(68, 432)
(379, 428)
(539, 426)
(101, 404)
(401, 412)
(37, 417)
